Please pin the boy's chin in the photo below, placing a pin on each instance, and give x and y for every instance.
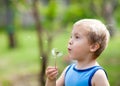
(72, 57)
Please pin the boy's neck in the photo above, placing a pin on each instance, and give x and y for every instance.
(86, 64)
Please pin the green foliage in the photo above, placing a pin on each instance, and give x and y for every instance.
(77, 11)
(117, 17)
(51, 12)
(72, 14)
(55, 15)
(48, 15)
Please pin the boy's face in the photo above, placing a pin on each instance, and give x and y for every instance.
(79, 47)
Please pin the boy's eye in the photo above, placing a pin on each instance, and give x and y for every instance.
(76, 37)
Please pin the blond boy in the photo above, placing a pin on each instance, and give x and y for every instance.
(89, 38)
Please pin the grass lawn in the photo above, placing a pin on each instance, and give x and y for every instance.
(25, 58)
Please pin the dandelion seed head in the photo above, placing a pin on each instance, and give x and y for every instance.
(56, 53)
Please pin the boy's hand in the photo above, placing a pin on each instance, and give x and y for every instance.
(51, 73)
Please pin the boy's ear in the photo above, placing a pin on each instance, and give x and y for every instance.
(94, 47)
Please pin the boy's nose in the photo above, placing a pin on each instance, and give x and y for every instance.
(70, 42)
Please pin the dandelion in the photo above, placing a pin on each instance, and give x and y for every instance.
(56, 54)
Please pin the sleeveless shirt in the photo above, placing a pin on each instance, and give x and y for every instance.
(77, 77)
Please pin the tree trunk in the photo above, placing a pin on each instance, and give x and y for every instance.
(107, 13)
(43, 54)
(9, 23)
(107, 10)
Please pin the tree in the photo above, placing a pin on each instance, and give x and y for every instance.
(44, 51)
(40, 32)
(106, 9)
(9, 23)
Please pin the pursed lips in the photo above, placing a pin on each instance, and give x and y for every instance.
(69, 49)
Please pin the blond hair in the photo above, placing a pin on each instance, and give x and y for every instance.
(97, 33)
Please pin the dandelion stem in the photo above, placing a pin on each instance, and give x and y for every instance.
(55, 61)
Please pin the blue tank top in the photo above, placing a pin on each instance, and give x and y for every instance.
(77, 77)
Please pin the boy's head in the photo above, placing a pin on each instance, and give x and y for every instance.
(97, 33)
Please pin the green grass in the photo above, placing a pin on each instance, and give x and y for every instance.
(25, 58)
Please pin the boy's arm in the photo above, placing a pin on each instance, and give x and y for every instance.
(50, 83)
(61, 79)
(100, 79)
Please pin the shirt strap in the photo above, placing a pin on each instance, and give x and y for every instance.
(68, 69)
(92, 74)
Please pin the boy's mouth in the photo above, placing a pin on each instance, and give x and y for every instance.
(69, 49)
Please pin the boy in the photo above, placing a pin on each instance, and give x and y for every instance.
(88, 39)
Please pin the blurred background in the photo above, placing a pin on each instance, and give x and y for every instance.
(30, 29)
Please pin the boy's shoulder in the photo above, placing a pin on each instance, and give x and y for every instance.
(100, 77)
(100, 73)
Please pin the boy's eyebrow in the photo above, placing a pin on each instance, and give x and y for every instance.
(76, 33)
